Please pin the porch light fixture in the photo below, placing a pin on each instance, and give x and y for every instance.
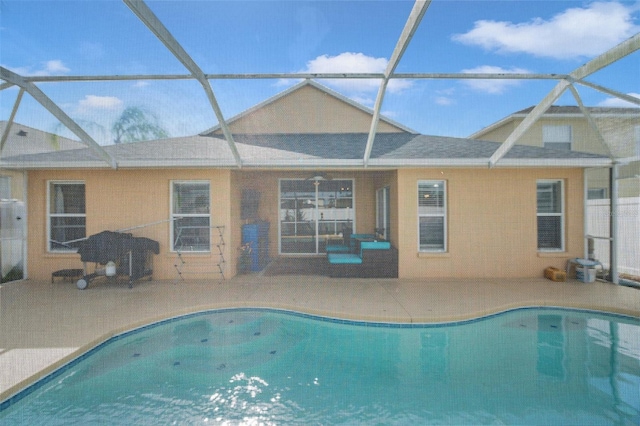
(319, 176)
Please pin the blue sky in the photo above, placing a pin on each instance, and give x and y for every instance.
(104, 37)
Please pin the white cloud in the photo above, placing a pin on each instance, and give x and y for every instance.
(55, 66)
(100, 102)
(349, 62)
(141, 84)
(574, 33)
(444, 100)
(617, 102)
(493, 86)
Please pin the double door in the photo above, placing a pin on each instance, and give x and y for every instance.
(313, 212)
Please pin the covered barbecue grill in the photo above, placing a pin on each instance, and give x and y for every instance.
(120, 253)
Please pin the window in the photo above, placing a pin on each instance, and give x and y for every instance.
(557, 137)
(596, 193)
(190, 214)
(432, 216)
(383, 221)
(67, 215)
(550, 215)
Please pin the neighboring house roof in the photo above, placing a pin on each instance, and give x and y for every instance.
(390, 150)
(22, 139)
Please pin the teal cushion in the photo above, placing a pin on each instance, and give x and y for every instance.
(361, 236)
(375, 245)
(344, 258)
(354, 237)
(337, 249)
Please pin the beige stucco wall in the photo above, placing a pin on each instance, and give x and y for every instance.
(491, 223)
(491, 217)
(121, 199)
(308, 110)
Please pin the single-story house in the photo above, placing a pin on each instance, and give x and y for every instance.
(309, 170)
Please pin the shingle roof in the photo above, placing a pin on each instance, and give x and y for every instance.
(23, 139)
(572, 109)
(328, 145)
(441, 147)
(291, 150)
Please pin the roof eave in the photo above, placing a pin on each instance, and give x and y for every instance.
(49, 165)
(428, 162)
(555, 162)
(484, 162)
(137, 164)
(480, 133)
(304, 163)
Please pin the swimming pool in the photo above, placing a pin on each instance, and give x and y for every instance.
(527, 366)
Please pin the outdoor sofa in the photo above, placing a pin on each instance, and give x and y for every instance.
(369, 258)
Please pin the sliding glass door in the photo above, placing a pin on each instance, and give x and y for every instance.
(313, 212)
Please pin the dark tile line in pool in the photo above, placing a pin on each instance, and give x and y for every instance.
(72, 363)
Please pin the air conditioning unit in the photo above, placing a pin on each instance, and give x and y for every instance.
(12, 220)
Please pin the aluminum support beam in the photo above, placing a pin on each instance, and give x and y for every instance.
(418, 11)
(528, 121)
(54, 109)
(607, 58)
(611, 92)
(145, 14)
(614, 231)
(7, 128)
(591, 121)
(308, 76)
(585, 214)
(623, 49)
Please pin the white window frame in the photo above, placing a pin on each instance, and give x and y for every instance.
(561, 214)
(444, 214)
(176, 216)
(50, 215)
(549, 141)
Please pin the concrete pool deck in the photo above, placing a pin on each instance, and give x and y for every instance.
(44, 325)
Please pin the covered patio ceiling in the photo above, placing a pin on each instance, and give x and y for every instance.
(564, 82)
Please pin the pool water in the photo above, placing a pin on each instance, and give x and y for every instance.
(528, 366)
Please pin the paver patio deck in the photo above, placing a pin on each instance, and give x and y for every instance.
(44, 325)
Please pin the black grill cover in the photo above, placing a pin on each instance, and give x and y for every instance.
(111, 246)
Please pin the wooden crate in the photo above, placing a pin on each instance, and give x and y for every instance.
(555, 274)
